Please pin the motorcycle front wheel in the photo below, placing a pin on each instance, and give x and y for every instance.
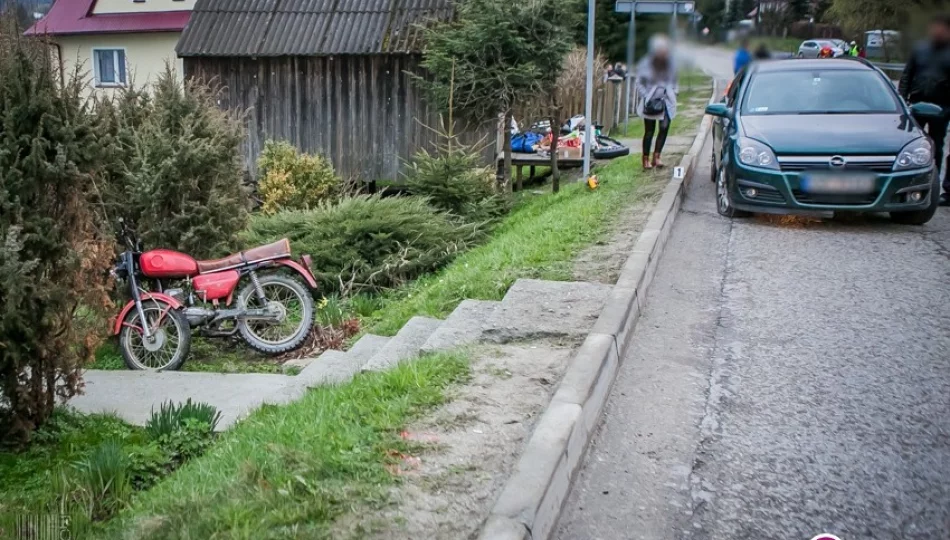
(291, 301)
(167, 347)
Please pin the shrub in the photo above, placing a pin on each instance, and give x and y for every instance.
(291, 180)
(148, 464)
(454, 181)
(177, 171)
(172, 417)
(53, 257)
(368, 242)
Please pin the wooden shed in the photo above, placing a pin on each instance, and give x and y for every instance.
(330, 76)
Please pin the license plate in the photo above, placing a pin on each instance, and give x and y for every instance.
(837, 183)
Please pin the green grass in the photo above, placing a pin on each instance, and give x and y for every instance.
(27, 477)
(539, 239)
(288, 472)
(776, 44)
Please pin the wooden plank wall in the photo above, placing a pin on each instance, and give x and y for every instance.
(364, 112)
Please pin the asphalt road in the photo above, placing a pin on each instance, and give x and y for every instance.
(787, 378)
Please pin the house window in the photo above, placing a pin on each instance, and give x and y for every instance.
(109, 66)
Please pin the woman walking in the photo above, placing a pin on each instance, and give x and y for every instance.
(657, 87)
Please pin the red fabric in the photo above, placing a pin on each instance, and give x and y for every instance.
(574, 142)
(75, 17)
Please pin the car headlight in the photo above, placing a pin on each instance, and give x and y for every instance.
(916, 155)
(755, 154)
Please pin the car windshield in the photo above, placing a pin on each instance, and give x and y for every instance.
(842, 91)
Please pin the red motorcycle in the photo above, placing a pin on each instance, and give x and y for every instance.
(273, 310)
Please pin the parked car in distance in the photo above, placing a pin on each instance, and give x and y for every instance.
(811, 48)
(818, 137)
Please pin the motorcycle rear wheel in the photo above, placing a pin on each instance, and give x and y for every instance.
(166, 349)
(289, 296)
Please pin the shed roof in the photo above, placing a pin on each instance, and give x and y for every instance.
(307, 27)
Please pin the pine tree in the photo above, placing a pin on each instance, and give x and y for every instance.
(797, 10)
(487, 59)
(178, 178)
(53, 256)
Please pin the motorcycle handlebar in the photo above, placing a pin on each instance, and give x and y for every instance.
(131, 240)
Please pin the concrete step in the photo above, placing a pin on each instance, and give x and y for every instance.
(367, 346)
(338, 363)
(404, 345)
(538, 309)
(464, 326)
(331, 367)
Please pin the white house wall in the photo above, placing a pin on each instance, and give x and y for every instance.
(145, 54)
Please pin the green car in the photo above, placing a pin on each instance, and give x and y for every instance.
(818, 137)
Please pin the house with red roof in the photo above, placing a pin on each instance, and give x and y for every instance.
(115, 42)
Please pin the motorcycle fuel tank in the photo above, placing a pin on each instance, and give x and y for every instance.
(217, 285)
(165, 263)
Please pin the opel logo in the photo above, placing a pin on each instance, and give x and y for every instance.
(837, 161)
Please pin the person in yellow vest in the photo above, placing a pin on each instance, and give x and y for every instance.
(854, 49)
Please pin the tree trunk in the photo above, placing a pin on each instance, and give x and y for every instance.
(555, 137)
(506, 148)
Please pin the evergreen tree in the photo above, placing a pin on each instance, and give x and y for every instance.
(491, 56)
(177, 173)
(797, 10)
(53, 257)
(734, 12)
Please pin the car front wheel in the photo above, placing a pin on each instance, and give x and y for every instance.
(919, 217)
(723, 200)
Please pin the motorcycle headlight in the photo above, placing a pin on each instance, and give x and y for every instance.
(755, 154)
(916, 155)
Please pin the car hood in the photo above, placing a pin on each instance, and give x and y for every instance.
(854, 134)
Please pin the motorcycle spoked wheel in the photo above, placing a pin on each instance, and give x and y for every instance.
(166, 349)
(292, 299)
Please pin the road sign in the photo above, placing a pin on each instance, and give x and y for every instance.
(682, 8)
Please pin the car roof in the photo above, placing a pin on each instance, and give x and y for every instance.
(795, 64)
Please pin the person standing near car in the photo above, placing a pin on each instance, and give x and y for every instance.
(656, 84)
(926, 79)
(742, 56)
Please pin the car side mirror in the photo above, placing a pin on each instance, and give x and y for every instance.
(719, 110)
(926, 110)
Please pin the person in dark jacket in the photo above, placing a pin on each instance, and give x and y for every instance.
(926, 78)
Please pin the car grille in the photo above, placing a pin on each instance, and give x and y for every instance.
(768, 196)
(878, 164)
(815, 198)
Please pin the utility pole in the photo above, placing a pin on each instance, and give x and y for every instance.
(589, 94)
(631, 62)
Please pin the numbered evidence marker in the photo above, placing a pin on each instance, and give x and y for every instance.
(679, 173)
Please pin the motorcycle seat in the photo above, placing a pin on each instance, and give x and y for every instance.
(278, 250)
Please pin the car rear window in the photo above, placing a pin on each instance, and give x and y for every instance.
(841, 91)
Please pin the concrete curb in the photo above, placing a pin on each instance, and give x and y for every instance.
(531, 501)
